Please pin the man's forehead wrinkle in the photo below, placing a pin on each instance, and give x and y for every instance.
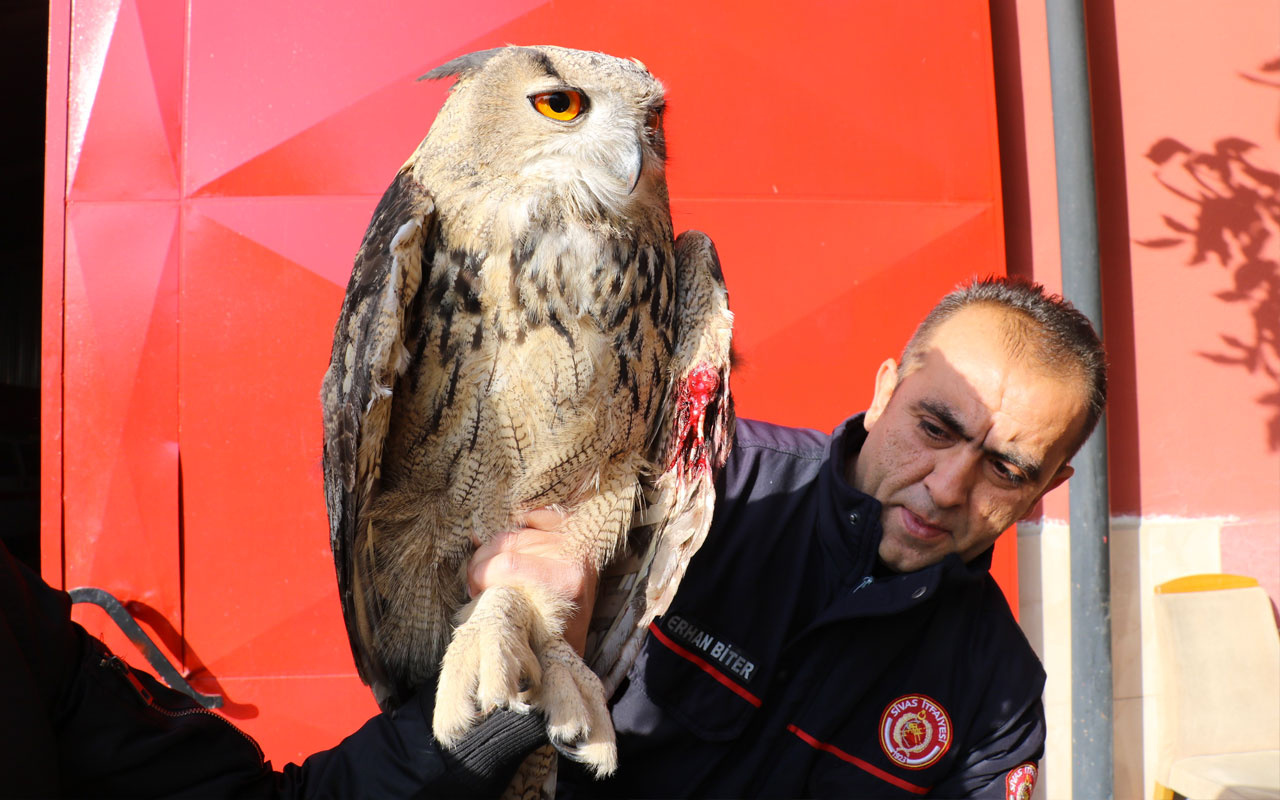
(977, 383)
(1011, 444)
(1007, 451)
(987, 427)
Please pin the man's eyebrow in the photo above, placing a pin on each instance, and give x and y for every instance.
(951, 422)
(1028, 468)
(947, 417)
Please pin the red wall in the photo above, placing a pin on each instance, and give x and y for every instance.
(219, 161)
(1186, 125)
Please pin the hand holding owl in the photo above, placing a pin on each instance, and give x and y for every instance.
(536, 554)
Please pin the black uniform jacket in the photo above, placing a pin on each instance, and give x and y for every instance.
(786, 667)
(76, 721)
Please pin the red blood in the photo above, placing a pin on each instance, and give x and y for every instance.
(702, 383)
(694, 395)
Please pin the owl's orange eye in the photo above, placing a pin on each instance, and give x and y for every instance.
(562, 106)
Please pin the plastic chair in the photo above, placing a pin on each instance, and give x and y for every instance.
(1220, 682)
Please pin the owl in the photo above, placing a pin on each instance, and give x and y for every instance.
(521, 331)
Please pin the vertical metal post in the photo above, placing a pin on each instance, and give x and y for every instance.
(1091, 688)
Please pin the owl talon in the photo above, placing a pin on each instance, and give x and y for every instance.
(449, 724)
(578, 722)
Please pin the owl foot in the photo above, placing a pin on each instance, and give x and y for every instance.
(573, 699)
(491, 664)
(488, 665)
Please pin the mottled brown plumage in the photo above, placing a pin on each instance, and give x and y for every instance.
(521, 331)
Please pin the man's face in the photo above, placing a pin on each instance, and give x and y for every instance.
(965, 444)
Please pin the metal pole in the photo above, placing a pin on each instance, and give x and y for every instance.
(1092, 752)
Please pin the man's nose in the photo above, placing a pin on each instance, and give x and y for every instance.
(952, 477)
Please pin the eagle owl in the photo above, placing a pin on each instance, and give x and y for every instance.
(521, 331)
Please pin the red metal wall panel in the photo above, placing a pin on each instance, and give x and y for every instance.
(120, 314)
(224, 158)
(51, 304)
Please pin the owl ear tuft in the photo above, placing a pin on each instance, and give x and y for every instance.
(462, 65)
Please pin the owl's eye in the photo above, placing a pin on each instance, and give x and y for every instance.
(653, 122)
(562, 106)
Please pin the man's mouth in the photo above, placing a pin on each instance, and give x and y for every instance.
(921, 528)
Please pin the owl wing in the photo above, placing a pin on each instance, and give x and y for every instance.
(693, 436)
(368, 354)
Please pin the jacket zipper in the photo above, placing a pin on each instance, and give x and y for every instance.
(117, 664)
(865, 583)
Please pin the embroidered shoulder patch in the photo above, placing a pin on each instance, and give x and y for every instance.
(1020, 782)
(915, 731)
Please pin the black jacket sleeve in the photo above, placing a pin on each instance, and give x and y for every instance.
(77, 721)
(395, 755)
(37, 657)
(1003, 762)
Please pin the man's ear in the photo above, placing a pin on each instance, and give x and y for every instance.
(886, 382)
(1064, 472)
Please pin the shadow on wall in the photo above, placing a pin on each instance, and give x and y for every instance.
(1238, 222)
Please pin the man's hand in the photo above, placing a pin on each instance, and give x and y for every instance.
(535, 555)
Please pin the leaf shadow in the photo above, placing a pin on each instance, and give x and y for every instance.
(1237, 225)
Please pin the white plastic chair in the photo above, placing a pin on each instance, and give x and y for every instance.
(1220, 684)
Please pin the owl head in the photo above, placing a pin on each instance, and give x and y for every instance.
(583, 129)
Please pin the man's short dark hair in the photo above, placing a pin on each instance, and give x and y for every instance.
(1044, 326)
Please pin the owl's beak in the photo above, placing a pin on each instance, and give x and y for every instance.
(635, 168)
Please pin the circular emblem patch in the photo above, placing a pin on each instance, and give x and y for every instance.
(1020, 782)
(915, 731)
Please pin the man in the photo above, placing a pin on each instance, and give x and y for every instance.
(838, 634)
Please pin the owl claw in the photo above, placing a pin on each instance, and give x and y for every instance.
(452, 719)
(505, 676)
(600, 757)
(578, 722)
